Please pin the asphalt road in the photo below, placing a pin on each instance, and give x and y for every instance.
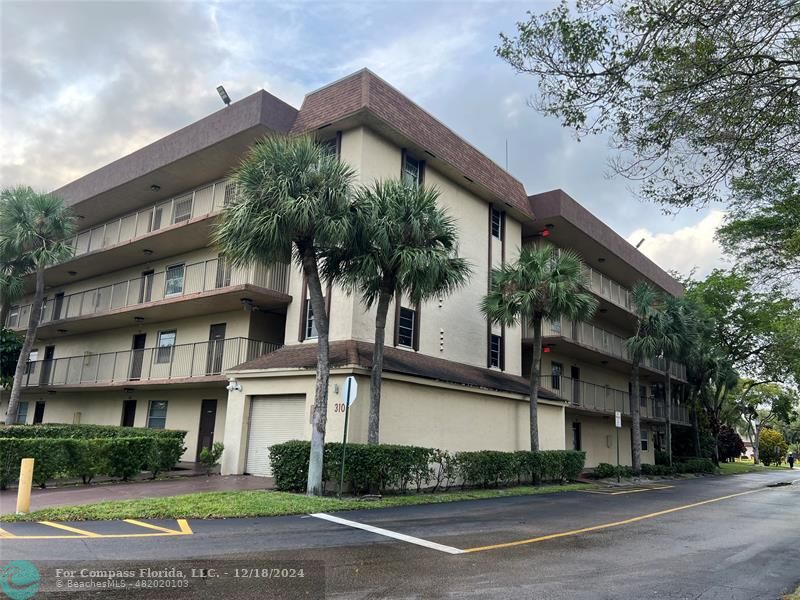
(708, 538)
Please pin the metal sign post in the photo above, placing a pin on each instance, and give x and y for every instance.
(618, 423)
(350, 391)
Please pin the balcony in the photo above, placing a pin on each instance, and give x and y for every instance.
(212, 285)
(199, 363)
(603, 399)
(597, 339)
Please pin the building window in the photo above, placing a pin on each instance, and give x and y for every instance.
(13, 317)
(412, 171)
(406, 327)
(183, 209)
(311, 322)
(643, 396)
(329, 147)
(174, 280)
(644, 440)
(157, 414)
(22, 413)
(556, 371)
(496, 351)
(576, 436)
(166, 341)
(497, 224)
(30, 366)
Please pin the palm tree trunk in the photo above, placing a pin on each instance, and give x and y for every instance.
(373, 433)
(668, 400)
(27, 346)
(636, 428)
(320, 410)
(536, 368)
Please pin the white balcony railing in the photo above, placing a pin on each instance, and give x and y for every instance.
(601, 340)
(176, 281)
(202, 359)
(606, 399)
(607, 288)
(196, 203)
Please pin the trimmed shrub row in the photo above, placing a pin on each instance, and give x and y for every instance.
(121, 457)
(87, 431)
(382, 467)
(687, 465)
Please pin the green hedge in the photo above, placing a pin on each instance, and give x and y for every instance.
(382, 467)
(685, 465)
(74, 457)
(87, 432)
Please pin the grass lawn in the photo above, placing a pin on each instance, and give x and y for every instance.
(795, 596)
(220, 505)
(737, 467)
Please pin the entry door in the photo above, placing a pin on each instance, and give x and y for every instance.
(205, 432)
(128, 413)
(38, 413)
(58, 306)
(575, 374)
(47, 365)
(146, 289)
(137, 355)
(216, 349)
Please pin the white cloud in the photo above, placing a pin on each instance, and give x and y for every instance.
(687, 248)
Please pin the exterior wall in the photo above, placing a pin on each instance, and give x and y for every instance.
(413, 411)
(598, 439)
(105, 408)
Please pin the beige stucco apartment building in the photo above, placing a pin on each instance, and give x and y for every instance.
(146, 325)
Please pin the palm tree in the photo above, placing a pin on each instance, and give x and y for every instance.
(403, 245)
(35, 228)
(677, 337)
(12, 276)
(292, 203)
(543, 283)
(645, 343)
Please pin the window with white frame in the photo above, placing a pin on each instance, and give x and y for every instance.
(407, 326)
(166, 342)
(311, 323)
(13, 316)
(174, 280)
(412, 171)
(22, 413)
(183, 209)
(496, 351)
(644, 440)
(157, 414)
(30, 366)
(497, 224)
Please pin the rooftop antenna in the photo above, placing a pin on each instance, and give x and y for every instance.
(224, 95)
(641, 241)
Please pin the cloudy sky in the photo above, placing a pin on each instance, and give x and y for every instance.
(84, 83)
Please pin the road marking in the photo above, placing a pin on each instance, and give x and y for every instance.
(387, 533)
(652, 515)
(627, 491)
(82, 532)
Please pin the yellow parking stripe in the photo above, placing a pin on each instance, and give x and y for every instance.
(608, 525)
(184, 525)
(82, 532)
(149, 526)
(6, 534)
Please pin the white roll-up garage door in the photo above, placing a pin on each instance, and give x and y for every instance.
(273, 419)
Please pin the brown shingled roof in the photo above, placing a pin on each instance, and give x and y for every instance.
(404, 362)
(366, 92)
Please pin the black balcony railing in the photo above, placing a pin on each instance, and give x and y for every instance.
(202, 359)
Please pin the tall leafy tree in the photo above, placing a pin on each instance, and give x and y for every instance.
(35, 228)
(543, 283)
(404, 245)
(292, 204)
(700, 100)
(646, 342)
(764, 406)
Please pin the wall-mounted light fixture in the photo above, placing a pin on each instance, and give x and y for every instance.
(233, 386)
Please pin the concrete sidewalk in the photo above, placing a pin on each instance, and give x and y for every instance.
(88, 494)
